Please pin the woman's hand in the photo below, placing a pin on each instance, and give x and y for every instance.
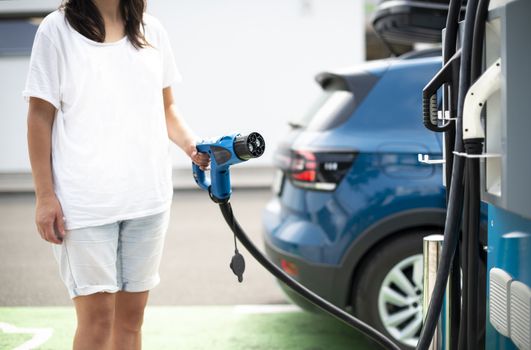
(201, 159)
(49, 219)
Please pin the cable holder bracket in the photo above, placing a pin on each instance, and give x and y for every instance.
(483, 155)
(445, 117)
(425, 159)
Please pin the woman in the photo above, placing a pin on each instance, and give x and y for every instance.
(101, 115)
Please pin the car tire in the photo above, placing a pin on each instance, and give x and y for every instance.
(388, 289)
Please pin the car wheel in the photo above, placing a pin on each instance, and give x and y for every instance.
(388, 292)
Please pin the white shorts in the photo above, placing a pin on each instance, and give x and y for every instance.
(122, 256)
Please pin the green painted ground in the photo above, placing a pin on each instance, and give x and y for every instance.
(194, 328)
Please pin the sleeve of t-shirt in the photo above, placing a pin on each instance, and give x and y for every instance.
(43, 80)
(170, 72)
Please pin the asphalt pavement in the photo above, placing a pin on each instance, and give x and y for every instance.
(198, 305)
(194, 269)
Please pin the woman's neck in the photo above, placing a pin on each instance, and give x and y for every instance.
(112, 19)
(109, 10)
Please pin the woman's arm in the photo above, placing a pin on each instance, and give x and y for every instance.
(48, 213)
(180, 133)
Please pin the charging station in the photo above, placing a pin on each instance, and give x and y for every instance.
(486, 104)
(506, 176)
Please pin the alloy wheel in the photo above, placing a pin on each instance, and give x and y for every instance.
(400, 300)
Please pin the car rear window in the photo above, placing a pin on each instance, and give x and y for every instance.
(331, 109)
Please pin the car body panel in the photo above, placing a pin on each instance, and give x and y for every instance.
(327, 233)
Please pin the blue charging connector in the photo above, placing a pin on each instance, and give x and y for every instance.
(224, 152)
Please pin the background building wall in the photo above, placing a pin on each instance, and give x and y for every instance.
(248, 65)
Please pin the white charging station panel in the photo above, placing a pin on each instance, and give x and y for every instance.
(520, 315)
(500, 282)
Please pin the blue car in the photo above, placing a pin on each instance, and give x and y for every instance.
(352, 202)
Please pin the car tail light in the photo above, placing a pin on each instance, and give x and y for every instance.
(320, 171)
(289, 267)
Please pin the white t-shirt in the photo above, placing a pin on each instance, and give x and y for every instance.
(110, 147)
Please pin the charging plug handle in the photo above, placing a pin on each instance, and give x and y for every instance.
(448, 74)
(475, 100)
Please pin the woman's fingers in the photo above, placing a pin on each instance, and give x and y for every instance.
(47, 229)
(201, 159)
(202, 163)
(60, 225)
(49, 218)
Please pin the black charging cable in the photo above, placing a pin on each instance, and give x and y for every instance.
(455, 205)
(450, 102)
(463, 321)
(471, 278)
(386, 343)
(473, 272)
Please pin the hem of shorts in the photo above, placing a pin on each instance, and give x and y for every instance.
(83, 291)
(135, 287)
(116, 218)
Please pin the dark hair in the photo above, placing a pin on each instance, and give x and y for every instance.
(84, 16)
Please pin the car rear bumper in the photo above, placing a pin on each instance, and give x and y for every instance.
(319, 278)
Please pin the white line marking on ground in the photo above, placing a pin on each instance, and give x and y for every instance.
(40, 335)
(265, 309)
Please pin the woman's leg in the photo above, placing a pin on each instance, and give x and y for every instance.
(128, 318)
(95, 315)
(140, 248)
(87, 261)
